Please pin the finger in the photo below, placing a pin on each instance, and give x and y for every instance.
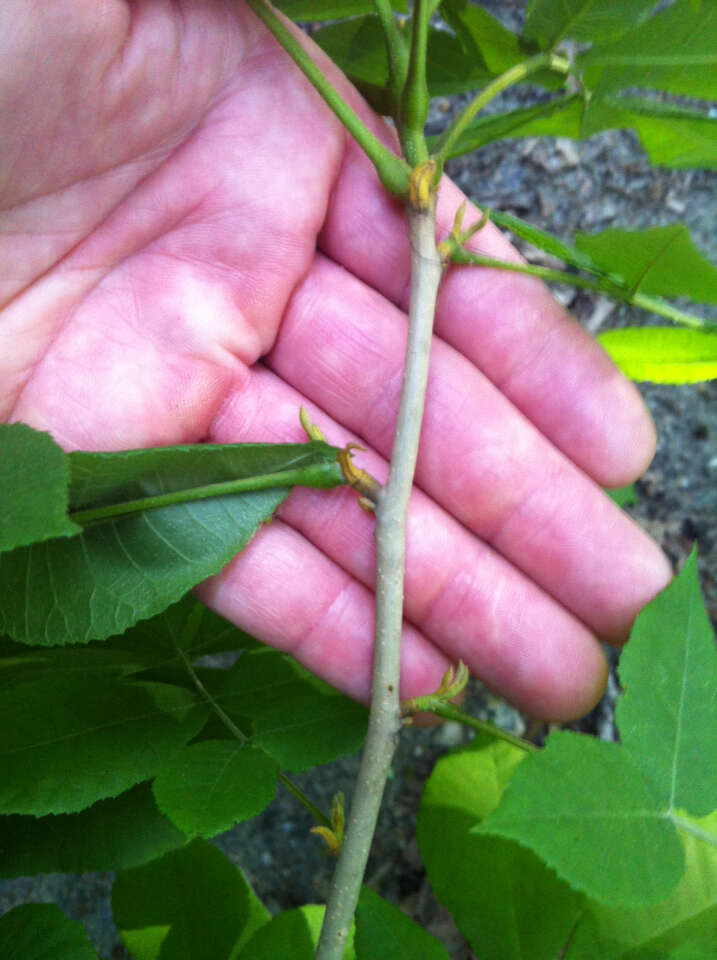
(459, 593)
(287, 593)
(509, 326)
(480, 458)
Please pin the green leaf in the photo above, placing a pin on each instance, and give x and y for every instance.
(659, 260)
(316, 10)
(65, 746)
(191, 904)
(482, 36)
(550, 21)
(34, 479)
(663, 354)
(671, 135)
(558, 118)
(668, 723)
(131, 567)
(110, 835)
(689, 915)
(383, 932)
(358, 47)
(676, 51)
(546, 241)
(292, 934)
(153, 645)
(623, 496)
(209, 786)
(297, 719)
(580, 797)
(41, 931)
(495, 889)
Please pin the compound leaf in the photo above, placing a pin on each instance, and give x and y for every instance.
(297, 719)
(668, 714)
(110, 835)
(550, 21)
(672, 135)
(663, 354)
(545, 241)
(689, 915)
(34, 480)
(358, 46)
(558, 118)
(383, 932)
(580, 798)
(659, 260)
(65, 746)
(675, 51)
(495, 889)
(482, 36)
(191, 904)
(208, 787)
(41, 931)
(129, 567)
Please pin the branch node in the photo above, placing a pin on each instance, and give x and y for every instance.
(421, 189)
(358, 479)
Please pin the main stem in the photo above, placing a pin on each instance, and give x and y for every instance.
(391, 510)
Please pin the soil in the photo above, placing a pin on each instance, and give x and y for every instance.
(561, 186)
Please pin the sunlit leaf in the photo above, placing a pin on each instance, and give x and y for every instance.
(495, 889)
(192, 904)
(668, 714)
(579, 797)
(688, 916)
(663, 354)
(41, 931)
(34, 480)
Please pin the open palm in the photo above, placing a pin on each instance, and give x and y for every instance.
(191, 247)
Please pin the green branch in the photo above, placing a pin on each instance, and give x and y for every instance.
(396, 49)
(392, 170)
(413, 110)
(598, 284)
(268, 481)
(512, 76)
(448, 712)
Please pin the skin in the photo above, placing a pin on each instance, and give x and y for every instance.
(191, 247)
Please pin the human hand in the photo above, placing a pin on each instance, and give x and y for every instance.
(192, 247)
